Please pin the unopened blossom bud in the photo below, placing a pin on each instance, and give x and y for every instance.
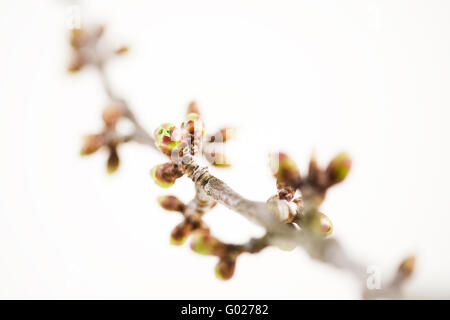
(76, 63)
(92, 143)
(121, 50)
(282, 209)
(194, 124)
(111, 114)
(113, 161)
(406, 268)
(180, 233)
(317, 222)
(204, 243)
(167, 138)
(338, 168)
(171, 203)
(225, 268)
(285, 171)
(165, 174)
(193, 108)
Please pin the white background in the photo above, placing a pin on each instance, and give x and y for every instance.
(369, 77)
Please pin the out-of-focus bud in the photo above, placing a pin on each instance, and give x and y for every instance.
(282, 209)
(217, 159)
(285, 171)
(92, 143)
(204, 243)
(111, 114)
(317, 222)
(76, 38)
(180, 233)
(165, 174)
(406, 268)
(76, 63)
(194, 125)
(167, 138)
(171, 203)
(338, 168)
(223, 135)
(193, 108)
(113, 161)
(122, 50)
(225, 268)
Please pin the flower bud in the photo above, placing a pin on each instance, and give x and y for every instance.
(111, 114)
(165, 174)
(225, 268)
(317, 222)
(180, 233)
(167, 138)
(406, 268)
(285, 171)
(122, 50)
(203, 243)
(171, 203)
(113, 161)
(92, 143)
(285, 211)
(194, 125)
(193, 108)
(338, 168)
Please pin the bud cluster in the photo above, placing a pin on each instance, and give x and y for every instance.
(108, 138)
(85, 48)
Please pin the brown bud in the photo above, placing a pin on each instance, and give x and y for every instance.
(171, 203)
(204, 243)
(165, 174)
(406, 268)
(113, 160)
(92, 143)
(225, 268)
(180, 233)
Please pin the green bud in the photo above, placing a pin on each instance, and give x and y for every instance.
(338, 168)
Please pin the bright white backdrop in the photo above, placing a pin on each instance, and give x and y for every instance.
(369, 77)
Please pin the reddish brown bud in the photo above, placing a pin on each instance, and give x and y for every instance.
(225, 268)
(171, 203)
(165, 174)
(92, 143)
(113, 161)
(338, 168)
(180, 233)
